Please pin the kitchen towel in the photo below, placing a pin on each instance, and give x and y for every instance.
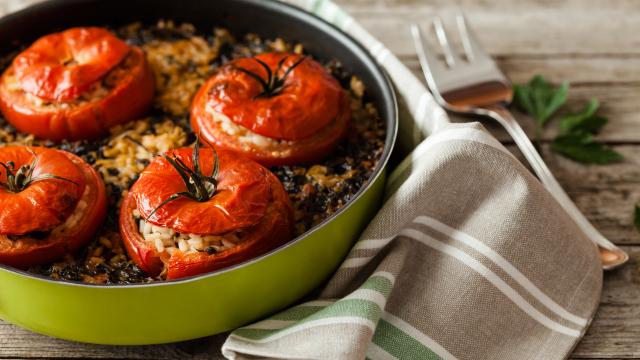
(469, 257)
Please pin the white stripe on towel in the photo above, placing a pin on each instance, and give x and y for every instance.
(348, 320)
(502, 263)
(494, 279)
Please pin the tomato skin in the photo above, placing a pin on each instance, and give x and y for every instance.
(44, 204)
(28, 252)
(274, 227)
(241, 200)
(309, 100)
(274, 230)
(129, 99)
(145, 256)
(307, 150)
(44, 69)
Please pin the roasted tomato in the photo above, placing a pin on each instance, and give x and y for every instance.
(76, 85)
(275, 108)
(52, 202)
(193, 211)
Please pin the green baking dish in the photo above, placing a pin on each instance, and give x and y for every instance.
(208, 304)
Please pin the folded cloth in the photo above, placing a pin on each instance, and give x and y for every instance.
(469, 257)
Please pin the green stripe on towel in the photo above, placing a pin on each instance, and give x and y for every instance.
(297, 313)
(399, 344)
(378, 283)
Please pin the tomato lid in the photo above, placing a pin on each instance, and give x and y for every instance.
(241, 198)
(296, 97)
(61, 66)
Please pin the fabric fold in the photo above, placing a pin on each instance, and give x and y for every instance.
(469, 258)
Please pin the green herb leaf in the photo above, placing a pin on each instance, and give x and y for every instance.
(540, 99)
(636, 217)
(579, 146)
(585, 120)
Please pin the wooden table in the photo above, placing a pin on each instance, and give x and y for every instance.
(592, 44)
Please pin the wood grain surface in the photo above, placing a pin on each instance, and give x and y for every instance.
(590, 43)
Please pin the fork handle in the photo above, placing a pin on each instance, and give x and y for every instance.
(611, 258)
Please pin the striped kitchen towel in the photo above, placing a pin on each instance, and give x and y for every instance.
(469, 257)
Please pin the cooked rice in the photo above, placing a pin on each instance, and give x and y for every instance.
(166, 240)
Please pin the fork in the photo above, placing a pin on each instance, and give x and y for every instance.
(475, 86)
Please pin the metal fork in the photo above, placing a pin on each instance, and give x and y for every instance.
(476, 86)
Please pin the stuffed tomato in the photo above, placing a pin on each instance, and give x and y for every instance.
(196, 210)
(75, 85)
(275, 108)
(52, 202)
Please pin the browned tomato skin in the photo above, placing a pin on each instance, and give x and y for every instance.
(241, 198)
(26, 253)
(131, 98)
(43, 205)
(309, 100)
(275, 228)
(61, 66)
(145, 256)
(309, 150)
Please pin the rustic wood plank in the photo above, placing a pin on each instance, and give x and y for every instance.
(513, 27)
(593, 70)
(19, 343)
(618, 95)
(615, 331)
(606, 194)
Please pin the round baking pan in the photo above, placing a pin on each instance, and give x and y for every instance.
(208, 304)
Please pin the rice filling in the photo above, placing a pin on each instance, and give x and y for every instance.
(166, 240)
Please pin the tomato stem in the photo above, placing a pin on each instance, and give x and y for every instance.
(200, 187)
(20, 179)
(274, 84)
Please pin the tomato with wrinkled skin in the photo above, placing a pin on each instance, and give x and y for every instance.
(304, 121)
(249, 199)
(44, 206)
(49, 89)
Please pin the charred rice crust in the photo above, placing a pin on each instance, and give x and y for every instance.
(182, 59)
